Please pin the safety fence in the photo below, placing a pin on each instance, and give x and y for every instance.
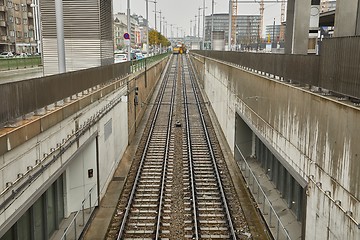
(75, 228)
(140, 64)
(23, 97)
(270, 215)
(335, 69)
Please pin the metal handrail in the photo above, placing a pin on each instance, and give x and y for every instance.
(264, 194)
(73, 221)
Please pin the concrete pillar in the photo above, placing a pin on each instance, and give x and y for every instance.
(297, 26)
(347, 18)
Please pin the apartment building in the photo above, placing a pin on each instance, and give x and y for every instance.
(17, 26)
(247, 27)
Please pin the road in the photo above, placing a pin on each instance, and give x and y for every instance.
(20, 74)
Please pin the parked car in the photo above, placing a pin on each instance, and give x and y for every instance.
(139, 55)
(21, 55)
(6, 55)
(120, 57)
(133, 56)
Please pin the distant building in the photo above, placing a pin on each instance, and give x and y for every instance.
(247, 27)
(141, 30)
(274, 33)
(327, 5)
(17, 27)
(88, 35)
(134, 26)
(120, 28)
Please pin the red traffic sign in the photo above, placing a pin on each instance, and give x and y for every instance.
(126, 36)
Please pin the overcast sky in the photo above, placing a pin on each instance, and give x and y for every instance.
(180, 12)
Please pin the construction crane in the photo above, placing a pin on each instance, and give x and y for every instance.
(261, 19)
(282, 11)
(233, 21)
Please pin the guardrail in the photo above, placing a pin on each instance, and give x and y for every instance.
(75, 228)
(18, 63)
(277, 228)
(137, 65)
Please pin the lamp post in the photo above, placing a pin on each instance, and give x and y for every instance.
(147, 27)
(129, 29)
(156, 20)
(203, 24)
(163, 21)
(195, 26)
(190, 27)
(212, 23)
(155, 2)
(160, 21)
(199, 22)
(230, 16)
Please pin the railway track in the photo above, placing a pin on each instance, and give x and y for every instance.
(178, 186)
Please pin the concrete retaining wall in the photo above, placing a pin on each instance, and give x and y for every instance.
(316, 137)
(89, 132)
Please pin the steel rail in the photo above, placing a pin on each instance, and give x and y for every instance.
(191, 164)
(152, 126)
(166, 155)
(218, 178)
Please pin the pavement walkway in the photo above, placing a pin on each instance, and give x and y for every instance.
(14, 75)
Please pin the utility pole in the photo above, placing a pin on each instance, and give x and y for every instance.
(147, 27)
(155, 2)
(190, 27)
(199, 22)
(163, 25)
(129, 29)
(160, 21)
(203, 24)
(230, 23)
(273, 35)
(212, 23)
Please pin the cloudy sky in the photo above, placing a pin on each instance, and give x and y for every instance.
(180, 12)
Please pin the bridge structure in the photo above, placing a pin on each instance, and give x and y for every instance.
(289, 120)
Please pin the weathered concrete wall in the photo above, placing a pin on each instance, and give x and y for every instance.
(108, 121)
(63, 131)
(315, 135)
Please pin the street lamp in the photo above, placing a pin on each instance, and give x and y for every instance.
(129, 29)
(190, 27)
(230, 18)
(147, 28)
(212, 24)
(195, 26)
(155, 11)
(203, 24)
(156, 19)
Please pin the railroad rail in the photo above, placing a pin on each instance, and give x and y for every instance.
(178, 186)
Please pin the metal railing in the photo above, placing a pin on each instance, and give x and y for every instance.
(270, 215)
(336, 68)
(137, 65)
(75, 228)
(18, 63)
